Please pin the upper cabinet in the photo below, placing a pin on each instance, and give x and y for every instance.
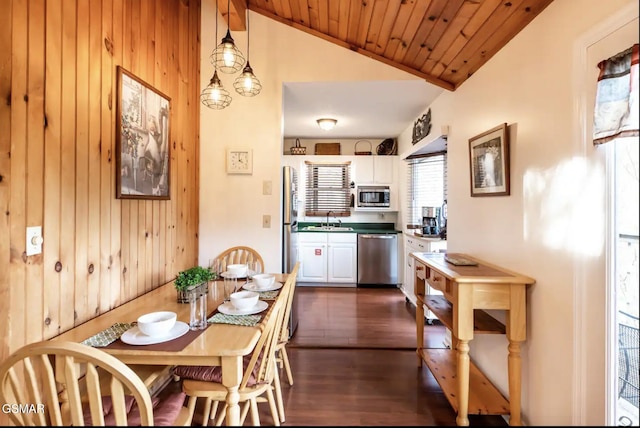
(371, 168)
(374, 169)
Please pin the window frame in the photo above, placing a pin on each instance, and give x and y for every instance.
(338, 201)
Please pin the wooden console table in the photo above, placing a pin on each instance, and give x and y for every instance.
(467, 292)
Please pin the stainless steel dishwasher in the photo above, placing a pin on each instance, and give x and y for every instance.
(378, 259)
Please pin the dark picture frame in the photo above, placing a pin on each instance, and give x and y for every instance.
(421, 127)
(142, 139)
(489, 162)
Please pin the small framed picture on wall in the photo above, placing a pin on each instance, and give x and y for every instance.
(489, 162)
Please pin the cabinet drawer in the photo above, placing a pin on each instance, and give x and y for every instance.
(439, 282)
(312, 237)
(420, 270)
(350, 238)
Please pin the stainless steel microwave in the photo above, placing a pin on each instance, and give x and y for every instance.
(371, 196)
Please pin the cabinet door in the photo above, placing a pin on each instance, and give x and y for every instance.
(342, 263)
(363, 169)
(408, 276)
(313, 262)
(383, 169)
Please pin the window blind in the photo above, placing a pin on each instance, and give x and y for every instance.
(328, 189)
(426, 184)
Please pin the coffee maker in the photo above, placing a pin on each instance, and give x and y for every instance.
(430, 221)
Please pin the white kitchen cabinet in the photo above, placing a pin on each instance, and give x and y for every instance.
(312, 253)
(342, 263)
(328, 257)
(414, 244)
(374, 169)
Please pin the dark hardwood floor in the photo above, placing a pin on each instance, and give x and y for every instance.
(354, 364)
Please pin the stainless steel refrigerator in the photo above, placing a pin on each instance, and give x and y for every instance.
(290, 232)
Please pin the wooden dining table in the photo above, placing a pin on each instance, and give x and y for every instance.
(218, 345)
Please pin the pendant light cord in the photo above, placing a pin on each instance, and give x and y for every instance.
(248, 29)
(216, 39)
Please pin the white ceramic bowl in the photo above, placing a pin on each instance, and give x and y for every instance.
(157, 323)
(239, 271)
(244, 299)
(264, 280)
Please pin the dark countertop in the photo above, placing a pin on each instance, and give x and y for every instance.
(371, 228)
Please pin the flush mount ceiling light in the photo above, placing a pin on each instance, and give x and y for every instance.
(227, 57)
(326, 123)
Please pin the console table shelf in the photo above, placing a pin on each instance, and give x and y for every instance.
(484, 397)
(468, 292)
(483, 323)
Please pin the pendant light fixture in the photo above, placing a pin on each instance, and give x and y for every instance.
(215, 96)
(247, 84)
(227, 57)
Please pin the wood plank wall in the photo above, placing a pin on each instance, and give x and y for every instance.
(58, 61)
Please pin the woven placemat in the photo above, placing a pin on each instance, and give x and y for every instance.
(108, 336)
(268, 295)
(244, 320)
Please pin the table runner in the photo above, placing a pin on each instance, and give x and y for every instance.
(179, 343)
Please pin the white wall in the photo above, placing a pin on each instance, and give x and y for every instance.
(551, 227)
(232, 206)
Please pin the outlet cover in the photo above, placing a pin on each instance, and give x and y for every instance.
(266, 221)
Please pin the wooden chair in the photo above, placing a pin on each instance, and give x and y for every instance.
(239, 255)
(68, 383)
(257, 380)
(282, 359)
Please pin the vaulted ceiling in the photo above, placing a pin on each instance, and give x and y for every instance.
(441, 41)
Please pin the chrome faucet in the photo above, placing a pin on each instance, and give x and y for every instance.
(328, 214)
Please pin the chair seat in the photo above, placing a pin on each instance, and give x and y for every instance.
(214, 373)
(166, 410)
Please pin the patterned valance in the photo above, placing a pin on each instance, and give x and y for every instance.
(616, 110)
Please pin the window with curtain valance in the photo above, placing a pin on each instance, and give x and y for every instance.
(616, 110)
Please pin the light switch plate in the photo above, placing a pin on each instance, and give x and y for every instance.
(266, 187)
(266, 221)
(34, 240)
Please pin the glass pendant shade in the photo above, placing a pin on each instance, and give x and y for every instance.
(247, 84)
(215, 96)
(227, 57)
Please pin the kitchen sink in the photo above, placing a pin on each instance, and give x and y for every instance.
(329, 228)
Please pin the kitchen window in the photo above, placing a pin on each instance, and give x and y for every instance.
(328, 188)
(427, 184)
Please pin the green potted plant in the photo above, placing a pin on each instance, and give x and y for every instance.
(194, 279)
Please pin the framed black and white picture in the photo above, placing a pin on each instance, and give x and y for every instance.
(489, 162)
(142, 139)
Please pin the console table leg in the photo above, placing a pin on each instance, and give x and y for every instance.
(463, 383)
(515, 375)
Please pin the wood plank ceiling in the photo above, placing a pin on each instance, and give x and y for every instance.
(441, 41)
